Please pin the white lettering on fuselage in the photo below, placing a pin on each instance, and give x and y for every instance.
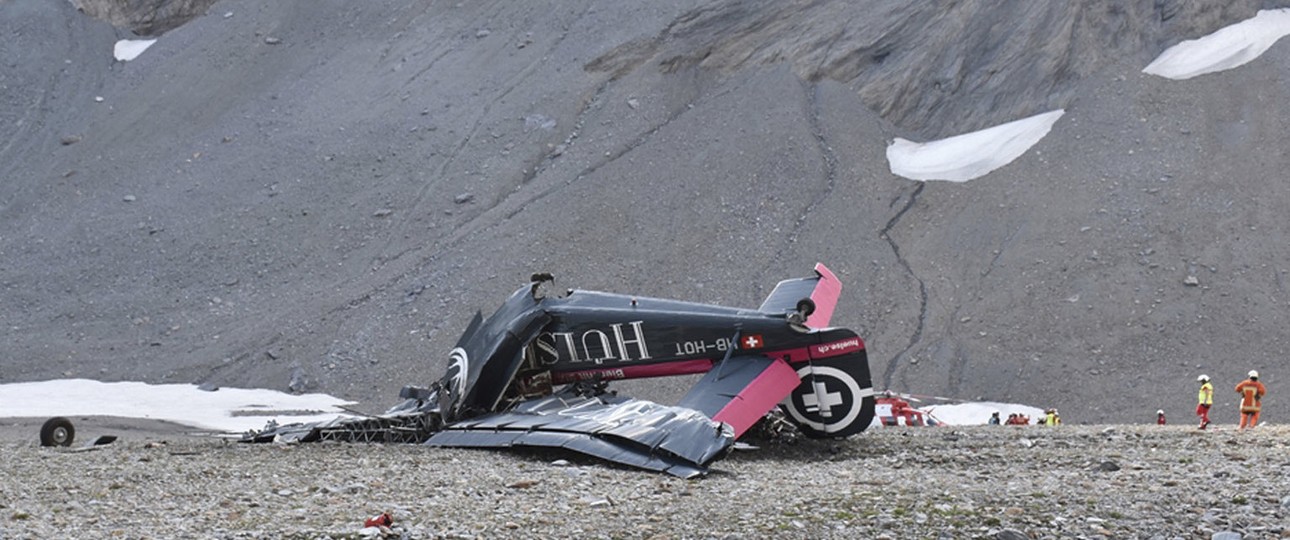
(601, 374)
(846, 344)
(596, 346)
(692, 348)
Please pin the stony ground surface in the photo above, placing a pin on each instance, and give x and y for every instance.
(976, 482)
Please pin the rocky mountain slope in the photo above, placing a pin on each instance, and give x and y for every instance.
(317, 196)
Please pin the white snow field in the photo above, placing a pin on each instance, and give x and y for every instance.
(128, 49)
(1225, 49)
(972, 155)
(233, 410)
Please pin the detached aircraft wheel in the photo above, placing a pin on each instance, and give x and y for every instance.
(57, 431)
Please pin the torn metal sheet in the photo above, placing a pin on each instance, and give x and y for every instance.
(500, 389)
(644, 434)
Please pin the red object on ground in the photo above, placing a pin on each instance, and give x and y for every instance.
(382, 520)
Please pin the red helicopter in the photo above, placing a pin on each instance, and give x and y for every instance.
(891, 410)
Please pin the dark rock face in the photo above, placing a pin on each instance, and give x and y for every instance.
(932, 69)
(318, 196)
(144, 17)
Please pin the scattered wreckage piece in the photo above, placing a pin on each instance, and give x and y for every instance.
(499, 389)
(59, 432)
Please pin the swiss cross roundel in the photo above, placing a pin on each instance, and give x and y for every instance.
(827, 403)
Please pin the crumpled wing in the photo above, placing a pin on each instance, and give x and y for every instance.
(741, 390)
(675, 440)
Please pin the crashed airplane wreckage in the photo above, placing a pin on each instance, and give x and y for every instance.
(500, 387)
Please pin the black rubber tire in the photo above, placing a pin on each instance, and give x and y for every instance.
(57, 431)
(806, 307)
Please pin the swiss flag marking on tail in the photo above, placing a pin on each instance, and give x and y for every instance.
(752, 341)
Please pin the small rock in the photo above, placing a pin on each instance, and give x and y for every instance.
(98, 99)
(384, 212)
(539, 121)
(482, 33)
(228, 14)
(272, 40)
(1011, 534)
(464, 198)
(208, 387)
(351, 488)
(522, 484)
(596, 502)
(299, 382)
(560, 463)
(1226, 535)
(1108, 466)
(1191, 281)
(633, 103)
(129, 198)
(70, 139)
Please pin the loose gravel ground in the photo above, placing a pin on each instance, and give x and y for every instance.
(969, 482)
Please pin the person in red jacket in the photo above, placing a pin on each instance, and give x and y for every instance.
(1252, 392)
(1160, 417)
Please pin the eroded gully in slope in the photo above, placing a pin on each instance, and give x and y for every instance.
(885, 233)
(811, 93)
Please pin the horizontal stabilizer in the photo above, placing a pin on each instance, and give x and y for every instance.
(823, 289)
(741, 390)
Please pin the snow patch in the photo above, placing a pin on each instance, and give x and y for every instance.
(970, 414)
(1227, 48)
(228, 409)
(129, 49)
(963, 157)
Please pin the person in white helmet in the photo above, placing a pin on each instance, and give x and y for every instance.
(1252, 392)
(1206, 399)
(1160, 417)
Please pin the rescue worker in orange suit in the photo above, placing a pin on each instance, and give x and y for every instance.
(1252, 392)
(1205, 399)
(1160, 417)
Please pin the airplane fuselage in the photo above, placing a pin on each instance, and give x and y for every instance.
(608, 336)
